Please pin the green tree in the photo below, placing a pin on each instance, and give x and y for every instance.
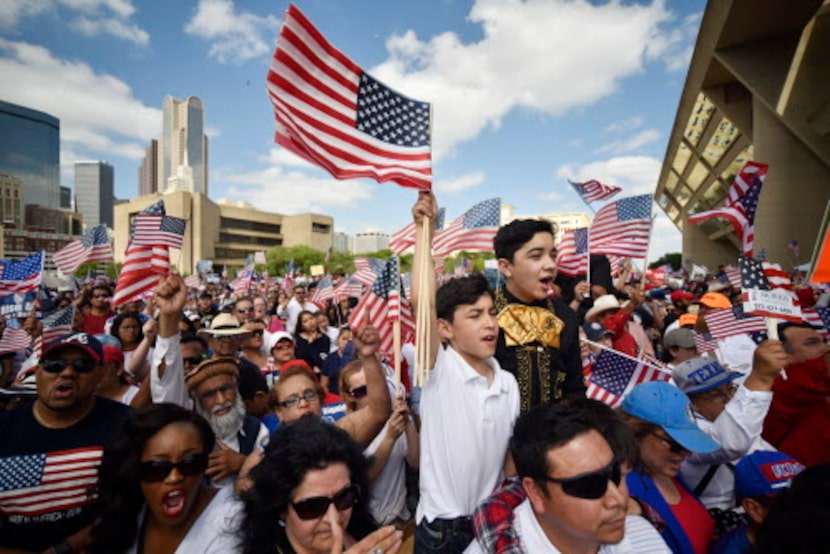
(675, 259)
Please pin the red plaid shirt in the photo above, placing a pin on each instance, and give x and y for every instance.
(493, 520)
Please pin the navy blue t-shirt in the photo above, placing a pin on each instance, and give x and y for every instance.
(48, 476)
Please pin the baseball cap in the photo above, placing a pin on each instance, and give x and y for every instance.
(84, 341)
(715, 300)
(682, 337)
(113, 354)
(665, 405)
(595, 330)
(764, 472)
(274, 338)
(687, 319)
(681, 295)
(701, 375)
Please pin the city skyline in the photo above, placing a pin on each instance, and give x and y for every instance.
(592, 95)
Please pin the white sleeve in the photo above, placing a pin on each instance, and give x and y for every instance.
(262, 437)
(171, 387)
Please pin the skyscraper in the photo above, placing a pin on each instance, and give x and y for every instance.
(183, 147)
(148, 172)
(30, 151)
(94, 184)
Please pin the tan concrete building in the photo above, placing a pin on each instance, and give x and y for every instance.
(224, 232)
(564, 221)
(758, 89)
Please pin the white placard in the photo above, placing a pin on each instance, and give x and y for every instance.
(772, 303)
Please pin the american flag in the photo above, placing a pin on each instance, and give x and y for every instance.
(21, 277)
(153, 229)
(36, 484)
(622, 227)
(323, 291)
(733, 275)
(244, 278)
(733, 321)
(614, 375)
(705, 342)
(572, 254)
(332, 113)
(405, 238)
(819, 317)
(348, 288)
(14, 339)
(143, 263)
(192, 281)
(763, 275)
(593, 190)
(741, 204)
(367, 270)
(383, 302)
(474, 230)
(93, 246)
(55, 326)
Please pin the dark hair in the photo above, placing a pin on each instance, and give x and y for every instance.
(191, 326)
(546, 427)
(243, 299)
(292, 452)
(119, 320)
(187, 337)
(459, 292)
(119, 482)
(299, 326)
(796, 521)
(789, 325)
(101, 286)
(250, 381)
(517, 233)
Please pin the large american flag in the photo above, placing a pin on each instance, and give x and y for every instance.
(405, 238)
(763, 275)
(36, 484)
(572, 254)
(332, 113)
(93, 246)
(622, 227)
(143, 264)
(159, 229)
(741, 204)
(473, 230)
(593, 190)
(21, 277)
(14, 339)
(614, 375)
(383, 304)
(733, 321)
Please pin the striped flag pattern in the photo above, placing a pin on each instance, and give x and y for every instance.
(741, 204)
(154, 229)
(143, 264)
(572, 254)
(818, 317)
(93, 246)
(473, 230)
(405, 238)
(14, 339)
(705, 342)
(614, 375)
(22, 276)
(36, 484)
(622, 227)
(727, 323)
(333, 114)
(593, 190)
(55, 326)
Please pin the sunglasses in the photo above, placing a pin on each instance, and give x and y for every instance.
(194, 360)
(154, 471)
(283, 345)
(100, 296)
(589, 485)
(256, 332)
(359, 392)
(673, 445)
(243, 310)
(294, 399)
(317, 506)
(56, 366)
(223, 390)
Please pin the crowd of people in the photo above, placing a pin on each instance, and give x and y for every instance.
(202, 419)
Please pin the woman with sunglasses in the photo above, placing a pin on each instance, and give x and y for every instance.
(253, 342)
(152, 493)
(660, 417)
(309, 494)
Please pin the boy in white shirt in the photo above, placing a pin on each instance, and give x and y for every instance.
(468, 406)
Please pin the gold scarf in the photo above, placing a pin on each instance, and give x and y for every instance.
(523, 324)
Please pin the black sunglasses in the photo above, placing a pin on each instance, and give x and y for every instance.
(673, 445)
(154, 471)
(315, 507)
(194, 360)
(56, 366)
(589, 485)
(359, 392)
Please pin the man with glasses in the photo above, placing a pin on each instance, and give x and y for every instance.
(243, 310)
(731, 414)
(570, 494)
(42, 505)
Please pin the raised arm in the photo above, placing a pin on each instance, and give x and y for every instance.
(167, 367)
(423, 268)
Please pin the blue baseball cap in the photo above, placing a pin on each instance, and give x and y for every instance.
(701, 374)
(764, 472)
(665, 405)
(83, 341)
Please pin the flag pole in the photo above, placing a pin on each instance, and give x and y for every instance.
(588, 264)
(632, 358)
(422, 346)
(648, 247)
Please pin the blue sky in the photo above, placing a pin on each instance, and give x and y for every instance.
(525, 93)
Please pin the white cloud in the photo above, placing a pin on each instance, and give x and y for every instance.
(281, 156)
(636, 175)
(474, 85)
(630, 144)
(235, 36)
(98, 112)
(625, 125)
(551, 197)
(459, 184)
(13, 11)
(111, 26)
